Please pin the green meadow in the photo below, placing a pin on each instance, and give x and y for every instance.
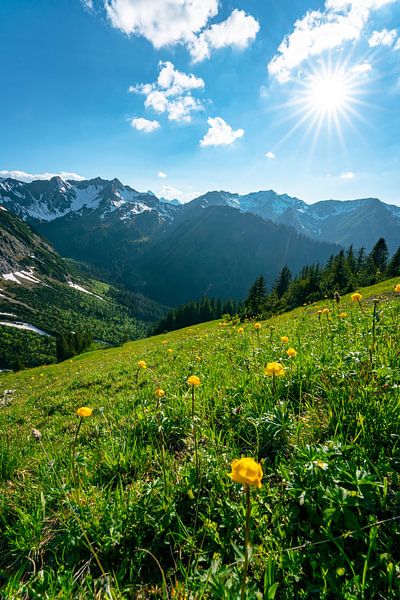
(135, 500)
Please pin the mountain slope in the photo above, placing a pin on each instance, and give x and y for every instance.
(42, 296)
(344, 222)
(151, 245)
(21, 248)
(133, 479)
(219, 251)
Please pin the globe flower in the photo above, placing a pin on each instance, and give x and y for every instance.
(257, 326)
(142, 364)
(342, 315)
(84, 411)
(274, 369)
(397, 288)
(193, 380)
(240, 330)
(284, 339)
(357, 297)
(169, 350)
(246, 471)
(325, 311)
(291, 352)
(159, 393)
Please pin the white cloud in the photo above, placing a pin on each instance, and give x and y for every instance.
(220, 133)
(270, 155)
(348, 175)
(362, 68)
(169, 22)
(180, 109)
(382, 38)
(176, 82)
(144, 125)
(171, 193)
(238, 30)
(397, 46)
(164, 22)
(161, 174)
(28, 177)
(171, 93)
(339, 22)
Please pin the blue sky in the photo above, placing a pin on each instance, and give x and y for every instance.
(182, 97)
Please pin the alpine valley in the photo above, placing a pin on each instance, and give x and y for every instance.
(215, 245)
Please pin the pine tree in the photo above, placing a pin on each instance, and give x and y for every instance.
(254, 304)
(282, 283)
(393, 268)
(379, 256)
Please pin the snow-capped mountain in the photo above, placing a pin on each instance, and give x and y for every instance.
(358, 222)
(154, 246)
(345, 222)
(46, 200)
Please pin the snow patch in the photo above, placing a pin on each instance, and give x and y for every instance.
(81, 289)
(11, 277)
(25, 326)
(28, 275)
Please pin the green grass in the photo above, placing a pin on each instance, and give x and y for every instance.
(129, 517)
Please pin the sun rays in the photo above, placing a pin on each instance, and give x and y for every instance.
(325, 100)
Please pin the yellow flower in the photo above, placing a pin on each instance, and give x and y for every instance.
(397, 288)
(198, 358)
(164, 342)
(257, 325)
(325, 311)
(342, 315)
(159, 393)
(84, 411)
(193, 380)
(356, 297)
(240, 330)
(284, 339)
(142, 364)
(169, 350)
(246, 471)
(319, 312)
(320, 464)
(291, 352)
(274, 369)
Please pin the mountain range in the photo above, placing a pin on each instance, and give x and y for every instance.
(216, 244)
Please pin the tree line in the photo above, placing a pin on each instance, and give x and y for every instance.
(343, 273)
(191, 313)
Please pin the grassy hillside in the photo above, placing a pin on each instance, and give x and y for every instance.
(135, 501)
(107, 313)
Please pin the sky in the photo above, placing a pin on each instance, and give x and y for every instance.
(185, 96)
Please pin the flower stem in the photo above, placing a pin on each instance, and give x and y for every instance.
(74, 473)
(162, 444)
(196, 454)
(246, 543)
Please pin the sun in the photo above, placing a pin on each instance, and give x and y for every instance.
(326, 96)
(329, 93)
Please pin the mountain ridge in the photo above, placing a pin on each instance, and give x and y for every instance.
(326, 220)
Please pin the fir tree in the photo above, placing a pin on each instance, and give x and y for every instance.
(393, 268)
